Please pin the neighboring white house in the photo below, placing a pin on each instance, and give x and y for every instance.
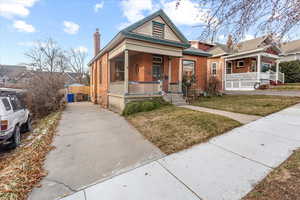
(290, 51)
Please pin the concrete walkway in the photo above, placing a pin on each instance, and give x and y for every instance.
(227, 167)
(92, 144)
(242, 118)
(288, 93)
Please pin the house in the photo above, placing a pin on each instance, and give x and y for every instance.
(145, 60)
(12, 75)
(290, 50)
(246, 65)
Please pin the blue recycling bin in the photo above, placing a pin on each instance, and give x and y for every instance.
(70, 98)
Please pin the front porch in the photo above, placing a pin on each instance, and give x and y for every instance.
(249, 72)
(138, 75)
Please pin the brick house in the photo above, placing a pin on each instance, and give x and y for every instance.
(145, 60)
(246, 65)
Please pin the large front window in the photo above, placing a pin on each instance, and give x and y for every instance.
(188, 68)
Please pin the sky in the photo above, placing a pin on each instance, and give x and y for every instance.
(72, 23)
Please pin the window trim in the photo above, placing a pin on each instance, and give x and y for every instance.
(211, 68)
(238, 62)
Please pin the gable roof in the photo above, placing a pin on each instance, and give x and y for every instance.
(128, 33)
(291, 47)
(256, 44)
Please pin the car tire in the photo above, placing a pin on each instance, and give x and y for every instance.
(16, 138)
(27, 127)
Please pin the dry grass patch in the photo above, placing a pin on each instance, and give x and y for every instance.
(248, 104)
(173, 129)
(282, 183)
(287, 86)
(22, 169)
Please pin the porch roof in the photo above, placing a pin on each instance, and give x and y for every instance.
(196, 52)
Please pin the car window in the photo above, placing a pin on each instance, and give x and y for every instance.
(6, 104)
(16, 104)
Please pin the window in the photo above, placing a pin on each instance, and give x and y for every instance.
(265, 67)
(120, 70)
(158, 30)
(253, 67)
(240, 64)
(188, 68)
(16, 104)
(157, 62)
(213, 69)
(6, 104)
(229, 68)
(100, 73)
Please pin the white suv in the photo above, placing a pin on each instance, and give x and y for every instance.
(14, 119)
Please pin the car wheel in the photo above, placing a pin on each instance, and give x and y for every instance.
(16, 138)
(27, 127)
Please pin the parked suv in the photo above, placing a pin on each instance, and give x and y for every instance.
(14, 119)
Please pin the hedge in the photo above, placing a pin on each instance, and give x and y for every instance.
(143, 106)
(291, 71)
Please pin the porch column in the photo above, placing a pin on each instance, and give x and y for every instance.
(170, 70)
(126, 64)
(258, 66)
(225, 74)
(277, 70)
(180, 76)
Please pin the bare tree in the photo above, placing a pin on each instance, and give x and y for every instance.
(46, 56)
(77, 63)
(237, 17)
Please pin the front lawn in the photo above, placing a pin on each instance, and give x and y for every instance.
(248, 104)
(173, 129)
(287, 86)
(281, 183)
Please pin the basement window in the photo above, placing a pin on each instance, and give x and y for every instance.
(158, 30)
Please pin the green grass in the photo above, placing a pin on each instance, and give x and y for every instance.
(173, 129)
(261, 105)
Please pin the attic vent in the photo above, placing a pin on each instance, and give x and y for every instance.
(158, 29)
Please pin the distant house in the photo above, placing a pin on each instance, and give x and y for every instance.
(12, 75)
(290, 50)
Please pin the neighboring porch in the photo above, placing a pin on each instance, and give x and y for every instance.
(138, 75)
(251, 71)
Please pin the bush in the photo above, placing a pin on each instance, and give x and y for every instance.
(291, 71)
(143, 106)
(213, 86)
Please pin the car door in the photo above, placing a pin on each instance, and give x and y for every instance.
(19, 112)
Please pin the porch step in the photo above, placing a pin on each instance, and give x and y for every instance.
(175, 99)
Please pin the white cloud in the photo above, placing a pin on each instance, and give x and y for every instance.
(187, 13)
(81, 49)
(12, 8)
(133, 9)
(22, 26)
(71, 27)
(98, 6)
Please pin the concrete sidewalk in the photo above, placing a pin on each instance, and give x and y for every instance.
(242, 118)
(226, 167)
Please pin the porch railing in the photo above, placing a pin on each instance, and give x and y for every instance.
(173, 87)
(145, 88)
(281, 77)
(117, 88)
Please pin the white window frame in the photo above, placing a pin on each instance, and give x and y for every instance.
(238, 64)
(230, 67)
(212, 70)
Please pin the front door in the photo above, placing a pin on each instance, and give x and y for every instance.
(158, 70)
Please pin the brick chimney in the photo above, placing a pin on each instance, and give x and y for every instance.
(96, 42)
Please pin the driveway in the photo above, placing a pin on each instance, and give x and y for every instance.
(92, 144)
(288, 93)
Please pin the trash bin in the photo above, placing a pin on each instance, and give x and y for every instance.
(70, 98)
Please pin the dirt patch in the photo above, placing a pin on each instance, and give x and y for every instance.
(22, 169)
(173, 129)
(283, 183)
